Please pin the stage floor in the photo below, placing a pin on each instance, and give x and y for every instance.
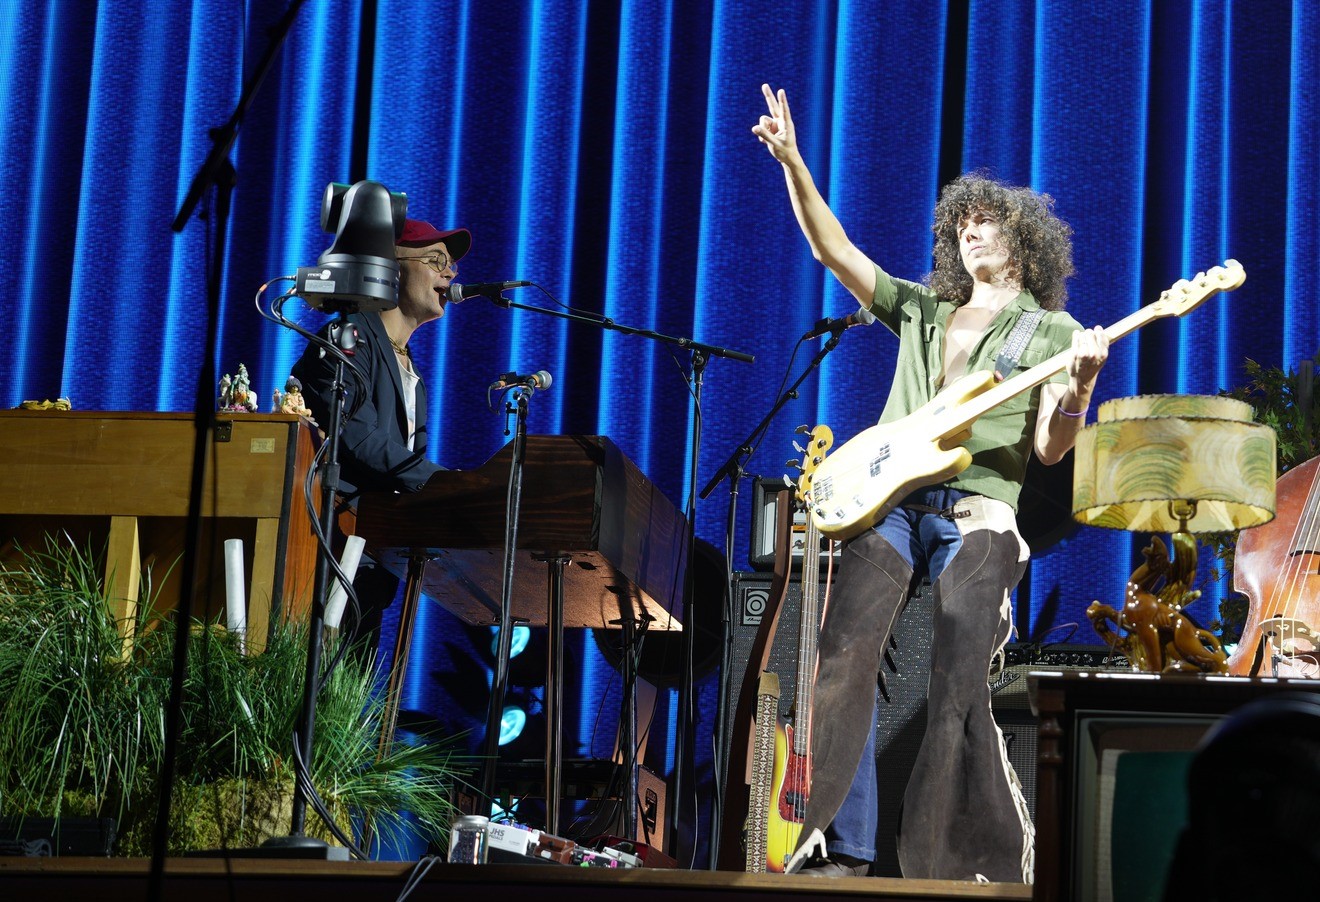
(257, 880)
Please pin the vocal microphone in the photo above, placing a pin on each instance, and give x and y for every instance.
(490, 290)
(859, 317)
(539, 379)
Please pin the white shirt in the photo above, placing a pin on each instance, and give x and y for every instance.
(410, 379)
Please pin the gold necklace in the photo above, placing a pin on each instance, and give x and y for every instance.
(401, 348)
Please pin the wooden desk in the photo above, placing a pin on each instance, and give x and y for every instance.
(121, 480)
(1078, 710)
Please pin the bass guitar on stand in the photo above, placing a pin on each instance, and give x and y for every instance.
(791, 783)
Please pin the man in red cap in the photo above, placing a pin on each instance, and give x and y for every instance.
(383, 444)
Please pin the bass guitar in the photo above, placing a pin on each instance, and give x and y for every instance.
(876, 469)
(791, 784)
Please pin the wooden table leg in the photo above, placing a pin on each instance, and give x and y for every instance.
(412, 592)
(262, 591)
(123, 577)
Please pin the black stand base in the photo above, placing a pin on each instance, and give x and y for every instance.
(302, 847)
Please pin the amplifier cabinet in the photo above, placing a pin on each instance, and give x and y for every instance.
(767, 494)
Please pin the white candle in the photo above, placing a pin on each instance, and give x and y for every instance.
(235, 590)
(334, 607)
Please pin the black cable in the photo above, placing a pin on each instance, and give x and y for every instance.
(419, 871)
(304, 777)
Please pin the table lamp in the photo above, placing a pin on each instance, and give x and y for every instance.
(1178, 463)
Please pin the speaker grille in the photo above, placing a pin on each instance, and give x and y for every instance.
(752, 602)
(901, 722)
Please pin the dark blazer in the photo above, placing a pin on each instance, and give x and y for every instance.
(373, 450)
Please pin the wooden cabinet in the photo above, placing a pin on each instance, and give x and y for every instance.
(121, 482)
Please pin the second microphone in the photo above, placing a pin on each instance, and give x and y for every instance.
(537, 380)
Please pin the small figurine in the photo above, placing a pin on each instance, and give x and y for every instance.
(244, 398)
(226, 399)
(291, 401)
(236, 395)
(1160, 635)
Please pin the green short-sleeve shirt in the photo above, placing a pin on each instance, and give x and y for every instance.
(1002, 438)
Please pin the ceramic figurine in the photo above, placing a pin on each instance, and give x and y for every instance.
(291, 401)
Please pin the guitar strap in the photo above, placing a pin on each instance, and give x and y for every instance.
(1023, 329)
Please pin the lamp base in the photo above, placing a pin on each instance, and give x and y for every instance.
(1153, 629)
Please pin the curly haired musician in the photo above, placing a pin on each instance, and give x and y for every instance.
(1000, 254)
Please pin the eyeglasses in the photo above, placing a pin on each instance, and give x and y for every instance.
(438, 262)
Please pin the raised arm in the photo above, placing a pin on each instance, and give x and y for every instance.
(829, 243)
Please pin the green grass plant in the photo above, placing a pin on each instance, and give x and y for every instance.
(82, 726)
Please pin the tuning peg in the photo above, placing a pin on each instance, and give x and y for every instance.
(793, 464)
(789, 483)
(804, 429)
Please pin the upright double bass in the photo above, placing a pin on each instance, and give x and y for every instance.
(1277, 566)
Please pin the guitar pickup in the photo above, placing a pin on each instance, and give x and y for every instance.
(823, 490)
(877, 462)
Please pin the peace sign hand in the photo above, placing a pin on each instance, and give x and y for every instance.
(775, 131)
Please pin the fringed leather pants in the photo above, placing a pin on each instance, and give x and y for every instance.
(963, 810)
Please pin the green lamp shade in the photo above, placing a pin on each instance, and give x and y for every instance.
(1146, 456)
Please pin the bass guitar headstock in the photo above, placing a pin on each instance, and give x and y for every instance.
(819, 441)
(1186, 295)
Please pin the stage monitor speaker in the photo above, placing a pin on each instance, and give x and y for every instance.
(751, 592)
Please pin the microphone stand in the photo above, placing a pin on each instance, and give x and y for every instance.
(216, 170)
(297, 844)
(504, 645)
(701, 353)
(607, 323)
(733, 468)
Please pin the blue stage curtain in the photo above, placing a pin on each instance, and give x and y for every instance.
(603, 151)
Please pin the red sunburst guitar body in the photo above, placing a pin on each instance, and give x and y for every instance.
(791, 783)
(789, 791)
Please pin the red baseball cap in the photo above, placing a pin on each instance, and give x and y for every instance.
(417, 233)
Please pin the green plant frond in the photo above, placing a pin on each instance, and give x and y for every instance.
(83, 729)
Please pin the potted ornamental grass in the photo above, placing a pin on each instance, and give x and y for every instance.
(82, 724)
